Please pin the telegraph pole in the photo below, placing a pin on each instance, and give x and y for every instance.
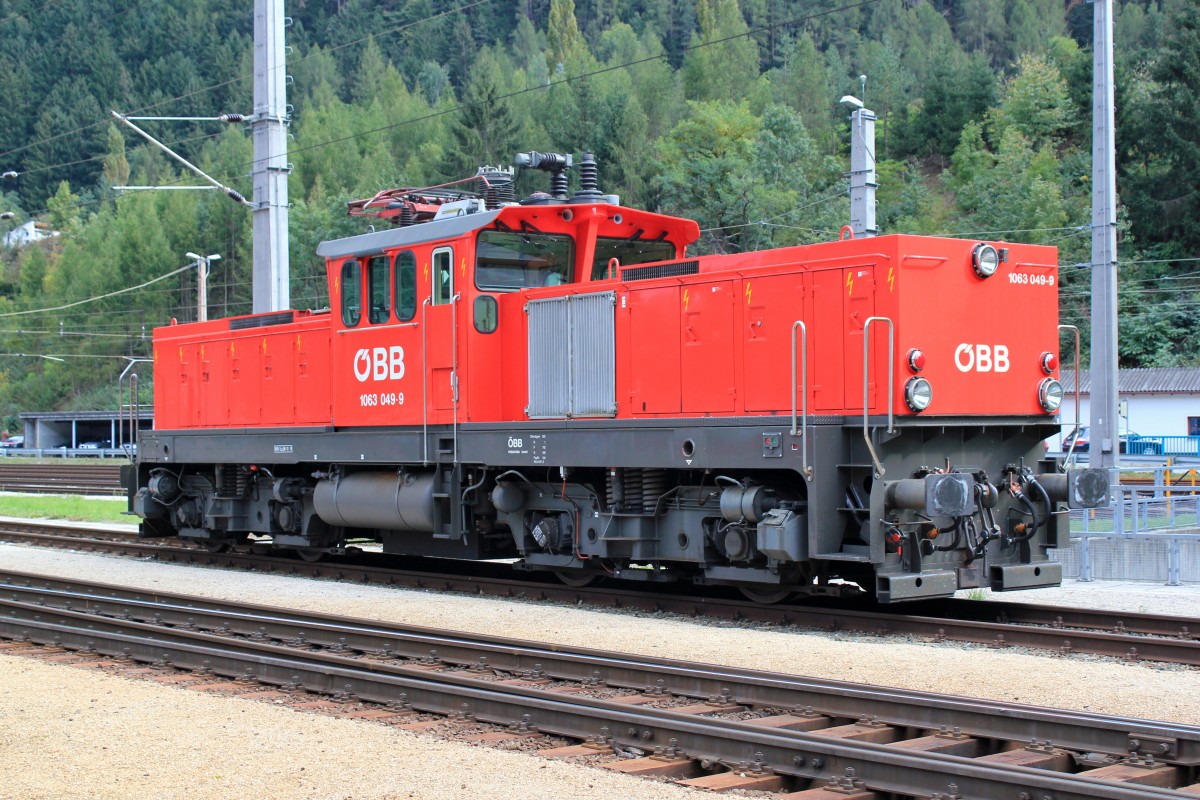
(1103, 370)
(270, 173)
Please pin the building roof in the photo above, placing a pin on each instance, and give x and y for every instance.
(1154, 380)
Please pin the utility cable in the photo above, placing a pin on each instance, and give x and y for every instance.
(99, 297)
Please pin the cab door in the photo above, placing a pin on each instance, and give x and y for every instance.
(441, 317)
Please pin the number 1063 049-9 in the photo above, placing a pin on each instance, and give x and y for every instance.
(383, 399)
(1025, 279)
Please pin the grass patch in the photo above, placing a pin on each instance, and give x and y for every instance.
(80, 509)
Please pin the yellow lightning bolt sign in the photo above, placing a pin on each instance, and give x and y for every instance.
(264, 346)
(685, 299)
(749, 293)
(337, 285)
(891, 279)
(426, 270)
(850, 284)
(463, 268)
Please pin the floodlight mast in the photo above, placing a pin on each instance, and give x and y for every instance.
(862, 167)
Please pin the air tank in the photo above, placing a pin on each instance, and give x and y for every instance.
(387, 500)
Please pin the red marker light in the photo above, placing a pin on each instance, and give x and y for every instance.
(916, 360)
(1049, 363)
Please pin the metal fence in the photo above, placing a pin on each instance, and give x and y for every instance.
(1150, 533)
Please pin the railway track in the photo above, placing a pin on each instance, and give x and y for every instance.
(703, 725)
(1133, 636)
(88, 479)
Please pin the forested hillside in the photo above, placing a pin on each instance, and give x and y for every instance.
(720, 110)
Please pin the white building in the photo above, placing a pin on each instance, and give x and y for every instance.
(1153, 401)
(28, 233)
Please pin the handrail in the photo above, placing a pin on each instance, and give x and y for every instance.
(454, 365)
(891, 428)
(425, 381)
(803, 428)
(135, 416)
(1061, 328)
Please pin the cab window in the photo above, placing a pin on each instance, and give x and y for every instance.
(509, 260)
(443, 276)
(351, 293)
(406, 286)
(378, 290)
(627, 252)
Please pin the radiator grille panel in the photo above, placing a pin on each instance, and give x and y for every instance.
(660, 271)
(572, 357)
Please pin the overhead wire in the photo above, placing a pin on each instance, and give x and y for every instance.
(126, 290)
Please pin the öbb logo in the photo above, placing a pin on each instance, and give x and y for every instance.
(379, 364)
(981, 358)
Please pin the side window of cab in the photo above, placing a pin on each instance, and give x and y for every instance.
(351, 293)
(443, 276)
(378, 290)
(405, 281)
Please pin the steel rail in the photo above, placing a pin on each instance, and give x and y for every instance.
(1084, 731)
(802, 755)
(1098, 635)
(34, 478)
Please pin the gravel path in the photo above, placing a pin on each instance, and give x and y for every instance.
(221, 747)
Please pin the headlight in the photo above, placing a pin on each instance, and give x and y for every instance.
(918, 394)
(985, 260)
(1050, 394)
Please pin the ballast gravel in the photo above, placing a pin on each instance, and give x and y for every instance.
(72, 733)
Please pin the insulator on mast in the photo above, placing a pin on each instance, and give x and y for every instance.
(232, 118)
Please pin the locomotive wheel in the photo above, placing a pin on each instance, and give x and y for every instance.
(765, 596)
(576, 580)
(214, 545)
(312, 556)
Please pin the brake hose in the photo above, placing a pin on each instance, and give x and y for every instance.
(1033, 526)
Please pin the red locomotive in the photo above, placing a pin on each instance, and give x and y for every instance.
(556, 380)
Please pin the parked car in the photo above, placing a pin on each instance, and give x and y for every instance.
(103, 444)
(1128, 442)
(13, 441)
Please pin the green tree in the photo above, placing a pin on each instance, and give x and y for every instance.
(562, 33)
(1163, 171)
(1035, 102)
(485, 130)
(723, 71)
(743, 178)
(803, 83)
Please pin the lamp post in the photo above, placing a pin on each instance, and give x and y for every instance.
(202, 264)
